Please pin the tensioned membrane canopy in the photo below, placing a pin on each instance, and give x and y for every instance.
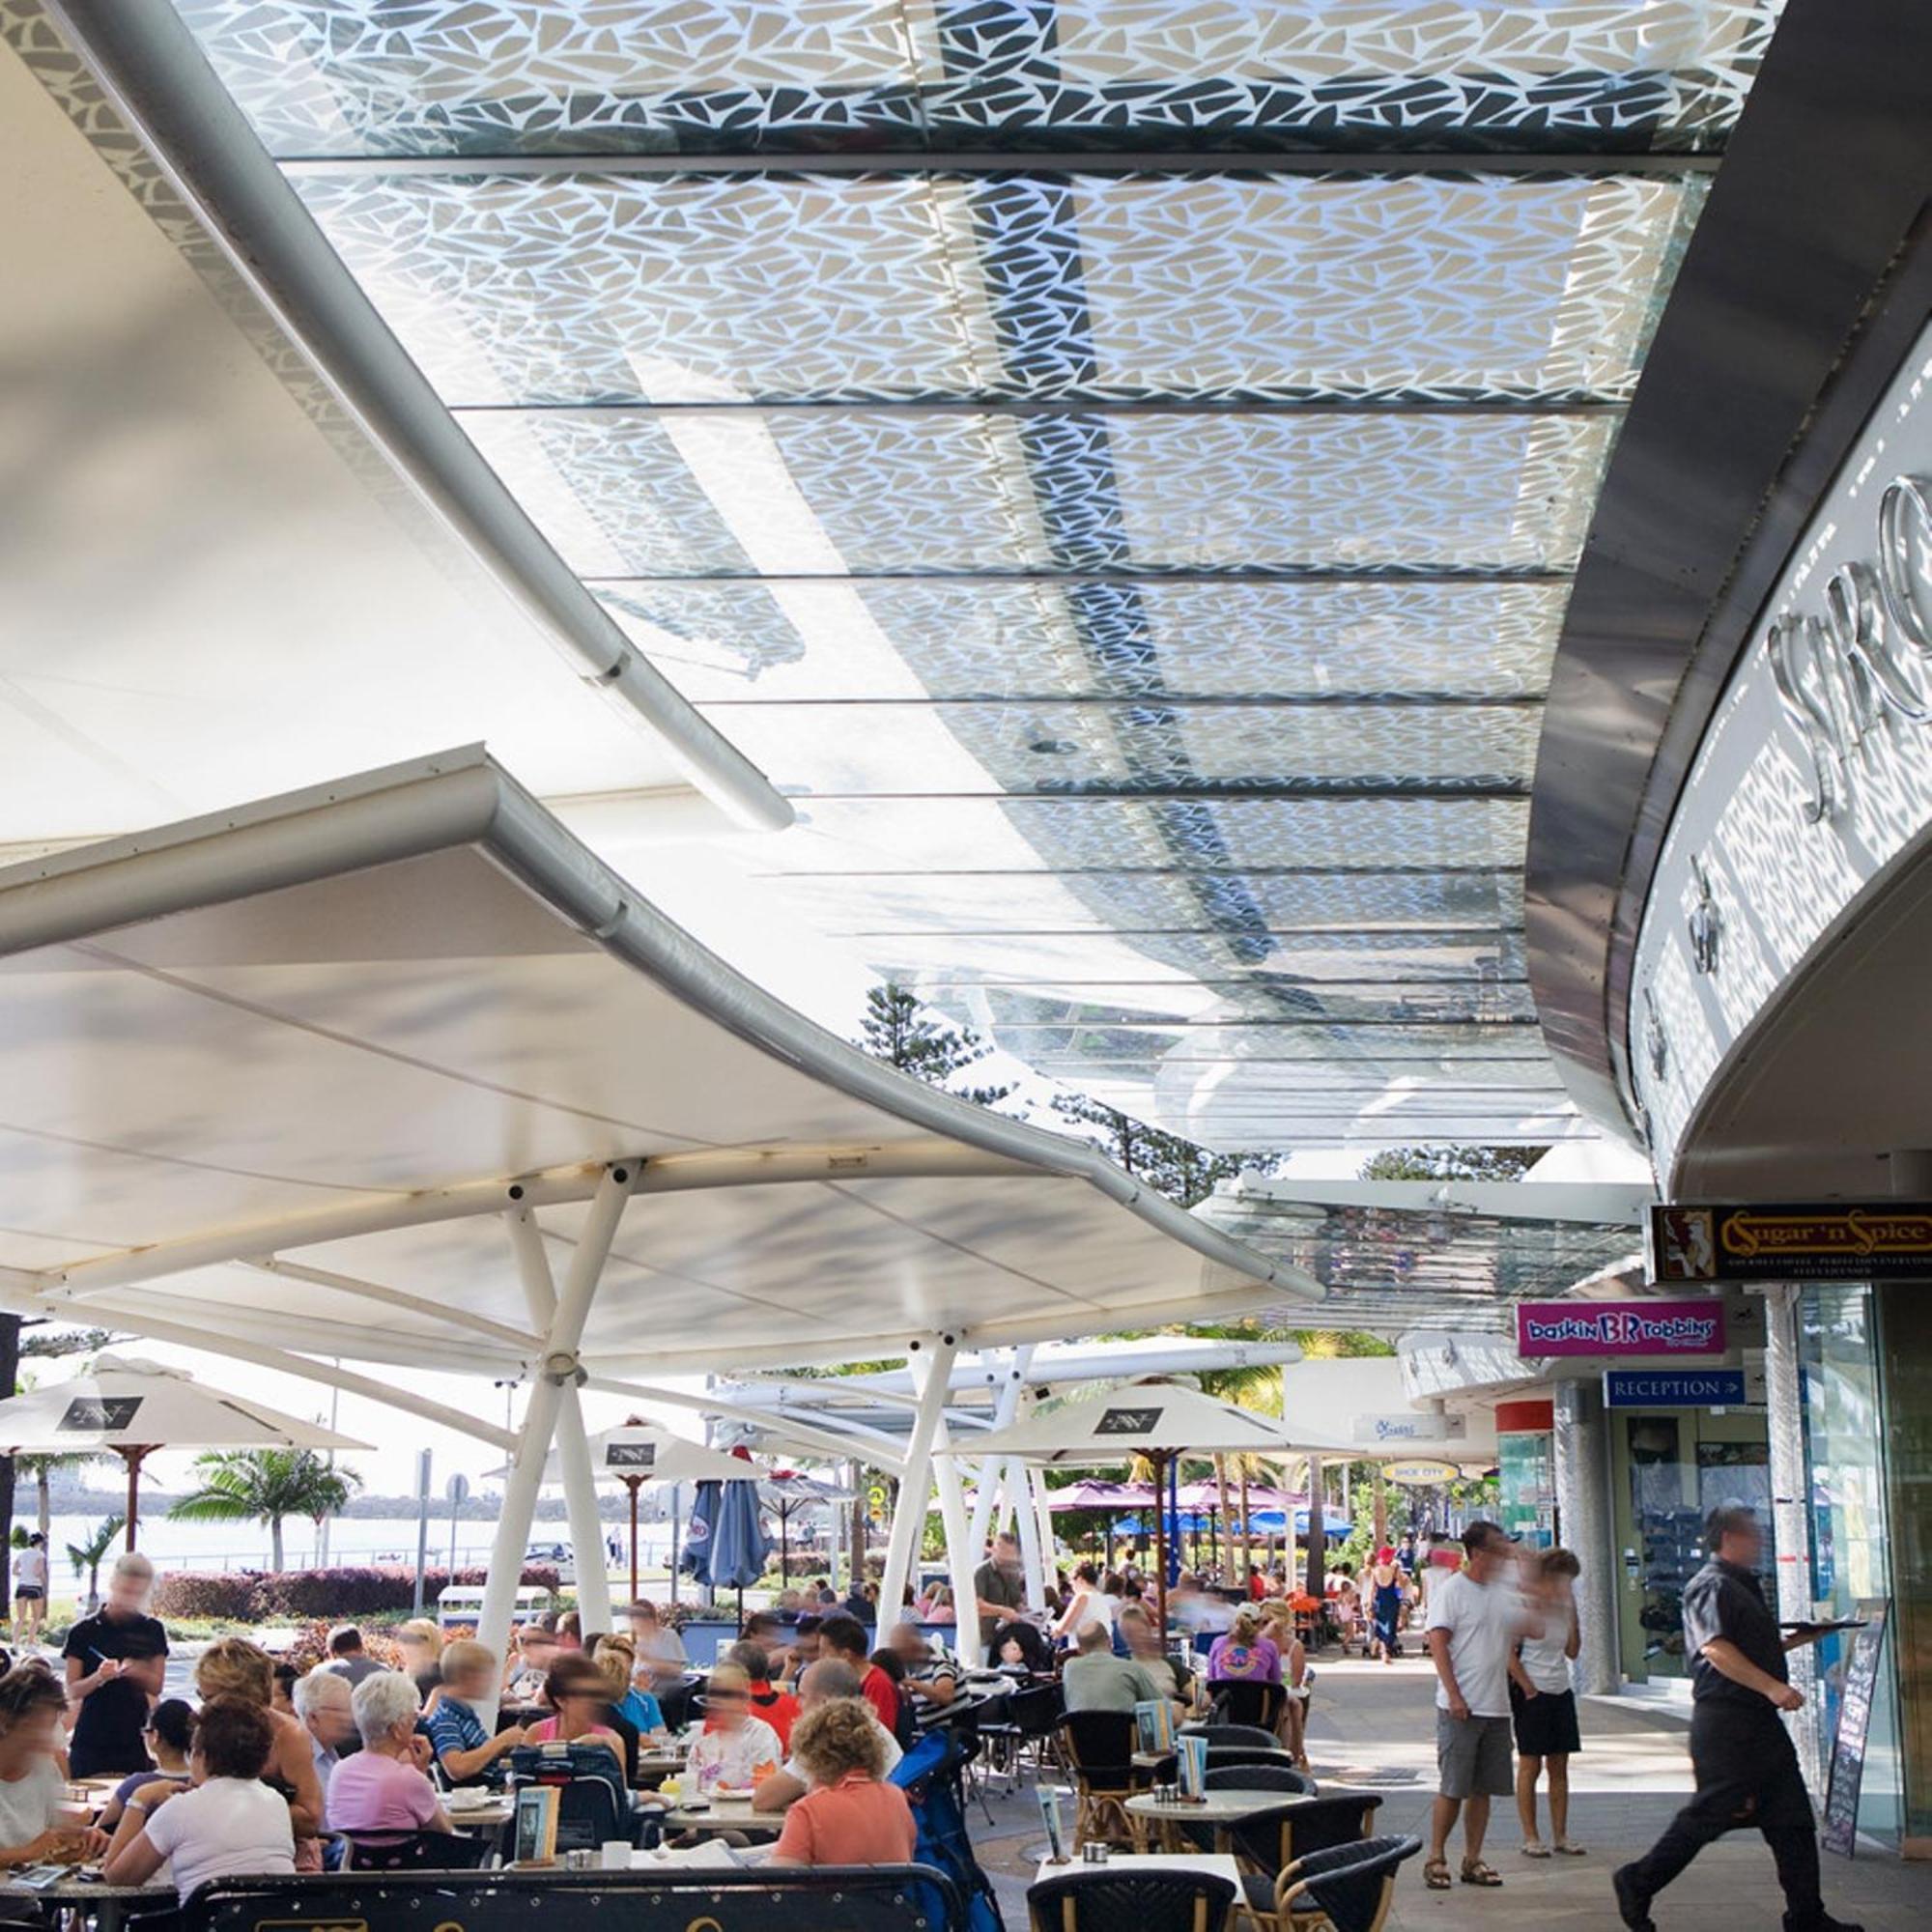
(1117, 464)
(277, 1076)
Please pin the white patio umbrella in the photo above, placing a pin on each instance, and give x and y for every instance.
(637, 1453)
(131, 1408)
(1162, 1421)
(789, 1490)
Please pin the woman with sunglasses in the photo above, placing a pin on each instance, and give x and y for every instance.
(579, 1695)
(169, 1735)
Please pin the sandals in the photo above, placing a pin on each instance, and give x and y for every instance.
(1476, 1873)
(1564, 1849)
(1435, 1875)
(1535, 1848)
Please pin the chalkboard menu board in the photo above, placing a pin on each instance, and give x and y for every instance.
(1848, 1748)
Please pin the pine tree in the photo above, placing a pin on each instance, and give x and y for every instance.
(1452, 1163)
(899, 1030)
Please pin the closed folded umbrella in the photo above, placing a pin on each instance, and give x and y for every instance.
(740, 1549)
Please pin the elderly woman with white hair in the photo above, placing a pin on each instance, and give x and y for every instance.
(379, 1792)
(116, 1660)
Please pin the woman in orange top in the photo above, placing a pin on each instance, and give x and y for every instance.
(850, 1817)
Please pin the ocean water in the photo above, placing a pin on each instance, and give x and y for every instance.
(243, 1546)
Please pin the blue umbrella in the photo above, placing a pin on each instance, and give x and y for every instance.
(740, 1548)
(696, 1562)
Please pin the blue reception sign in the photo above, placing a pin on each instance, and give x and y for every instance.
(1675, 1388)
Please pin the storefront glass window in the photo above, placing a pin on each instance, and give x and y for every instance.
(1850, 1568)
(1906, 1436)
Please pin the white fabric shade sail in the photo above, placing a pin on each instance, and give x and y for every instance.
(1136, 1418)
(129, 1406)
(378, 1069)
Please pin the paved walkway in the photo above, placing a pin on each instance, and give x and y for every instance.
(1372, 1725)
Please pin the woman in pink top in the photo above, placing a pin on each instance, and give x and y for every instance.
(580, 1693)
(379, 1792)
(849, 1817)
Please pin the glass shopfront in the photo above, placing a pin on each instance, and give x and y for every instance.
(1905, 1387)
(1844, 1432)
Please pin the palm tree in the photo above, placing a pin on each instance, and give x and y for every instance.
(265, 1486)
(87, 1557)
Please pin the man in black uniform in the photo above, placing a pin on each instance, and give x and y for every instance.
(1745, 1768)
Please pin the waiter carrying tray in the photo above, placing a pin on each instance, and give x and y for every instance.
(1745, 1766)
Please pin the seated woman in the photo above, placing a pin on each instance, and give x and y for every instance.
(32, 1783)
(421, 1645)
(465, 1751)
(936, 1607)
(227, 1821)
(379, 1792)
(579, 1695)
(617, 1658)
(734, 1750)
(232, 1666)
(849, 1816)
(169, 1736)
(1244, 1654)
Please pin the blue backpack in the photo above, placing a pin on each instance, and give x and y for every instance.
(929, 1775)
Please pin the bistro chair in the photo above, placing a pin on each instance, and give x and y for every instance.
(1257, 1705)
(415, 1851)
(1097, 1747)
(1248, 1735)
(1032, 1717)
(1347, 1888)
(1283, 1778)
(1146, 1901)
(1267, 1843)
(1220, 1756)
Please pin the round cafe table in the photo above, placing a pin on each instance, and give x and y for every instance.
(722, 1814)
(1149, 1814)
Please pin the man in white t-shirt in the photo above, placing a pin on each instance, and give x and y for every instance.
(1475, 1616)
(831, 1677)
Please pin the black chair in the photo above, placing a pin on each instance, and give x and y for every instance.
(1242, 1703)
(1104, 1901)
(417, 1851)
(1220, 1756)
(1348, 1886)
(1283, 1778)
(1341, 1887)
(1248, 1735)
(1032, 1717)
(1098, 1748)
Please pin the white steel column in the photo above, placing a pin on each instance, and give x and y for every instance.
(559, 1367)
(993, 1471)
(961, 1552)
(573, 1444)
(1044, 1528)
(932, 1375)
(1026, 1519)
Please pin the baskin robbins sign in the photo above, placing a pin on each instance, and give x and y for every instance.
(1620, 1327)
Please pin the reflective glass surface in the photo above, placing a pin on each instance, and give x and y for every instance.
(586, 288)
(545, 76)
(1116, 465)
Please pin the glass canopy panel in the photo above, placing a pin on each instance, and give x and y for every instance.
(589, 288)
(882, 746)
(541, 76)
(883, 492)
(719, 641)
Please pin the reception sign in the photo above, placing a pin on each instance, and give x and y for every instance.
(1620, 1327)
(1832, 1241)
(1676, 1388)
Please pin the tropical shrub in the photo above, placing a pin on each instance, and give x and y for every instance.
(294, 1596)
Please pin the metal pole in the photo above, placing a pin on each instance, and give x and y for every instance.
(931, 1372)
(1790, 1534)
(133, 1456)
(634, 1484)
(992, 1472)
(1158, 1458)
(962, 1561)
(422, 1526)
(676, 1503)
(1018, 1480)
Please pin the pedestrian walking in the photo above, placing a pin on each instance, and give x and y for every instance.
(1745, 1766)
(1543, 1704)
(1475, 1616)
(1385, 1600)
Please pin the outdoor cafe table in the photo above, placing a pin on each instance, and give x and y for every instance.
(724, 1814)
(1210, 1864)
(109, 1904)
(491, 1816)
(1219, 1810)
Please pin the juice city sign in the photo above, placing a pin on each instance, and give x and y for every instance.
(1620, 1328)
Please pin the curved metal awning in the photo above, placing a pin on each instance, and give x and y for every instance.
(1118, 467)
(278, 1077)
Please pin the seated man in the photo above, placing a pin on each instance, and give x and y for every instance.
(1095, 1679)
(930, 1680)
(821, 1684)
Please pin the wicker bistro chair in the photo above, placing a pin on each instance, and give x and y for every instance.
(1097, 1749)
(1344, 1889)
(1221, 1756)
(1257, 1705)
(415, 1851)
(1231, 1736)
(1146, 1901)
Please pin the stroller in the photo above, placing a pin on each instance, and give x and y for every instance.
(929, 1775)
